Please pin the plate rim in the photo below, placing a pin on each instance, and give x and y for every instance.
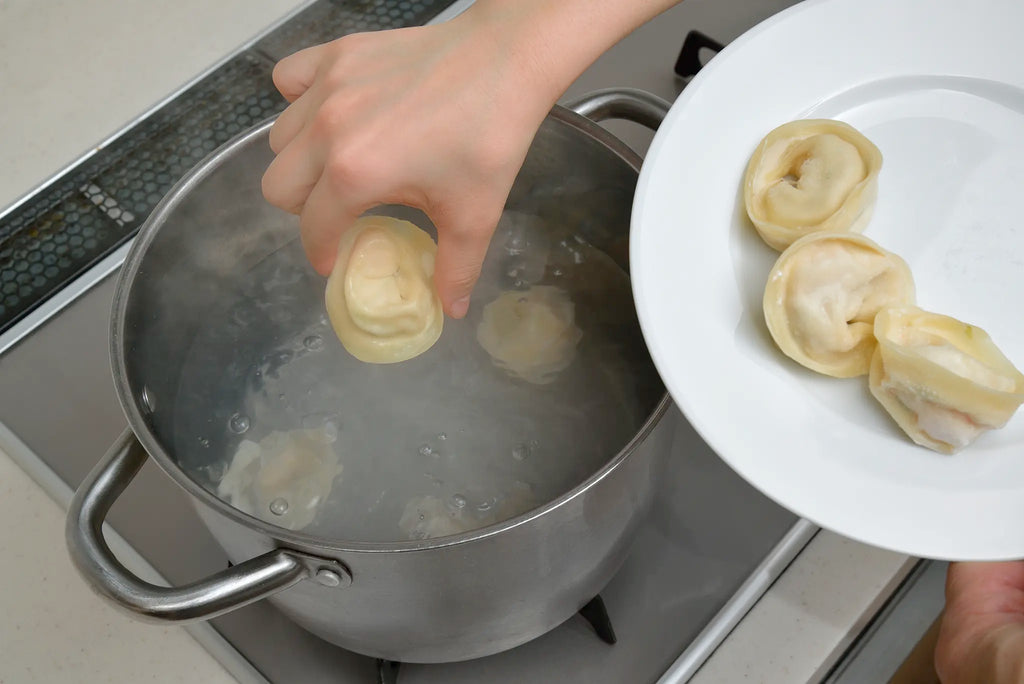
(708, 428)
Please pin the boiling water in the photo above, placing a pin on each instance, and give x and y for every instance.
(445, 434)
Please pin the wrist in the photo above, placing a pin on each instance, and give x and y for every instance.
(552, 42)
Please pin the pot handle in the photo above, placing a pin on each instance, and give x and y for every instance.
(220, 593)
(632, 104)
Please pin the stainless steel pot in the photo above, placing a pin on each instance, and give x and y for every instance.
(431, 600)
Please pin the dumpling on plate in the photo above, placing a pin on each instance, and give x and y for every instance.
(380, 295)
(944, 382)
(822, 297)
(282, 479)
(811, 175)
(531, 334)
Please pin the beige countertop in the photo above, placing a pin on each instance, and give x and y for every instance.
(72, 73)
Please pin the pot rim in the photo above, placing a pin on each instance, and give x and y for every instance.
(136, 420)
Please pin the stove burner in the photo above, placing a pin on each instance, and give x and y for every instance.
(594, 612)
(387, 671)
(597, 615)
(689, 62)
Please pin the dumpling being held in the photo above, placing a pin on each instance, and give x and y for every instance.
(530, 334)
(822, 297)
(944, 382)
(380, 295)
(811, 175)
(283, 479)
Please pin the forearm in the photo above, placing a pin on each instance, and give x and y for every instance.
(554, 41)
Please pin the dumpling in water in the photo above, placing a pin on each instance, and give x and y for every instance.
(822, 297)
(811, 175)
(380, 296)
(284, 478)
(943, 381)
(530, 334)
(427, 517)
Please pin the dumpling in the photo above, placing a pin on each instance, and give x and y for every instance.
(380, 296)
(530, 334)
(943, 381)
(284, 478)
(811, 175)
(428, 517)
(822, 297)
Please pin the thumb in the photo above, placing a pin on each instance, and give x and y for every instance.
(461, 248)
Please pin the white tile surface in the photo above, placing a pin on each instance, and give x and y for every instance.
(73, 72)
(806, 620)
(53, 629)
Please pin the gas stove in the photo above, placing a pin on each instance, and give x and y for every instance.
(710, 547)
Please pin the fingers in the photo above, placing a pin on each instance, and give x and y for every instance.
(293, 174)
(461, 248)
(986, 586)
(326, 215)
(294, 74)
(291, 122)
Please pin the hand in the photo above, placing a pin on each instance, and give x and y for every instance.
(981, 638)
(438, 118)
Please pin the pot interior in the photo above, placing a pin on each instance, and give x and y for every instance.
(227, 355)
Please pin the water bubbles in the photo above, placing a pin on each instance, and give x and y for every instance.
(238, 423)
(442, 436)
(422, 517)
(521, 451)
(330, 423)
(147, 400)
(282, 357)
(204, 442)
(557, 272)
(331, 429)
(459, 501)
(216, 471)
(516, 241)
(313, 343)
(485, 506)
(426, 450)
(275, 361)
(243, 315)
(279, 506)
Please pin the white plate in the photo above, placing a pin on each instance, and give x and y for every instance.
(936, 84)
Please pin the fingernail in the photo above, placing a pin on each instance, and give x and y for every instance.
(459, 307)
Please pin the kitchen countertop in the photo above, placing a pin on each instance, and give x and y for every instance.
(63, 56)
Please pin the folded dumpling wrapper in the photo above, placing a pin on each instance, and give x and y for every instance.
(822, 297)
(811, 175)
(531, 334)
(943, 381)
(380, 295)
(284, 478)
(429, 517)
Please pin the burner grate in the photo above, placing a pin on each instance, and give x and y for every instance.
(594, 613)
(95, 207)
